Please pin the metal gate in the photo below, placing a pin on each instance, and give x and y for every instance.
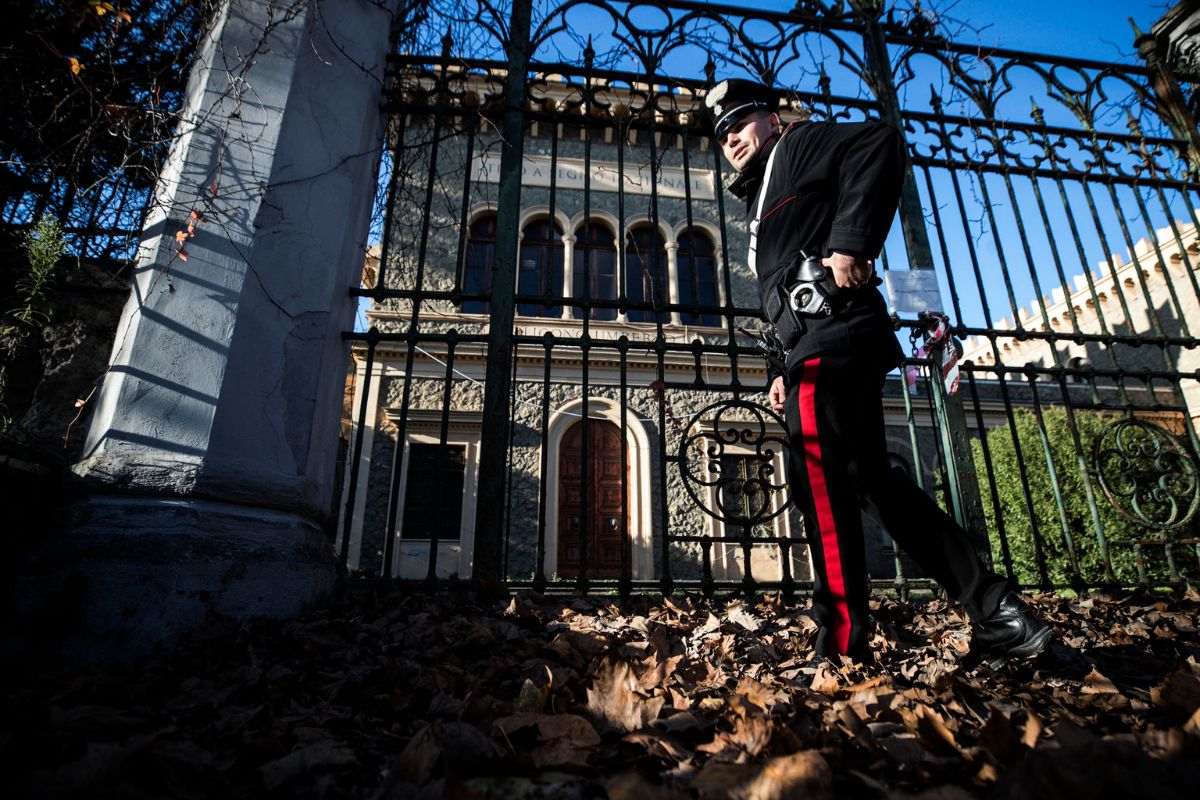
(557, 251)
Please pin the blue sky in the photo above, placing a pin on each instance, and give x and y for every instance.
(1085, 29)
(1095, 29)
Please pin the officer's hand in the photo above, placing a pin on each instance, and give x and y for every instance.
(777, 393)
(849, 272)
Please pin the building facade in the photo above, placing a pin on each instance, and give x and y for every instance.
(631, 282)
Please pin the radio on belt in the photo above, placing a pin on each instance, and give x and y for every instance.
(811, 293)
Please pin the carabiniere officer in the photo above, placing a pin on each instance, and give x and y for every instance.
(821, 198)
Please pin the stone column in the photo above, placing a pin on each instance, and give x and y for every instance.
(568, 273)
(672, 249)
(208, 472)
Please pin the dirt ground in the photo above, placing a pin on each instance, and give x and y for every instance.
(399, 695)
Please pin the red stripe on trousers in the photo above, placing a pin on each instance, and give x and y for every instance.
(816, 480)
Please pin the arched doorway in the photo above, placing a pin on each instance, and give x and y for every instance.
(596, 531)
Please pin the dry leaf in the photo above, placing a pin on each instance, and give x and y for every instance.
(799, 776)
(562, 739)
(613, 701)
(1192, 726)
(1096, 683)
(1033, 729)
(934, 733)
(1179, 694)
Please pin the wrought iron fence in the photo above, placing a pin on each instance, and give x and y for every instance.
(554, 389)
(91, 96)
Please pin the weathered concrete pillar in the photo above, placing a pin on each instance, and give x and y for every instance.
(208, 472)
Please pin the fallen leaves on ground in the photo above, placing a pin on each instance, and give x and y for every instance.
(401, 695)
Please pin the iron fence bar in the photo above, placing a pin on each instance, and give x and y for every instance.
(389, 208)
(726, 277)
(1051, 154)
(1151, 311)
(1086, 476)
(666, 581)
(391, 532)
(1052, 473)
(488, 569)
(652, 143)
(1018, 454)
(448, 381)
(994, 227)
(1063, 282)
(460, 261)
(986, 452)
(553, 222)
(968, 238)
(691, 254)
(585, 493)
(626, 568)
(947, 263)
(1152, 235)
(539, 578)
(1173, 223)
(918, 475)
(747, 544)
(1117, 287)
(883, 85)
(508, 468)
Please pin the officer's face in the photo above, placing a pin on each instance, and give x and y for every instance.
(742, 141)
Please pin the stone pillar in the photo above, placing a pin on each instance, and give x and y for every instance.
(672, 249)
(568, 273)
(208, 473)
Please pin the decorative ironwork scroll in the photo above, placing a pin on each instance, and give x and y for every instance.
(735, 427)
(1146, 474)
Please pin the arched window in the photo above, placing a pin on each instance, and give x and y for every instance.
(645, 272)
(595, 269)
(480, 263)
(697, 272)
(539, 273)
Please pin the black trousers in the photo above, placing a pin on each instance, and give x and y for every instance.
(838, 468)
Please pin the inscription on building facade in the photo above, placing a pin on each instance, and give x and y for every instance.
(538, 170)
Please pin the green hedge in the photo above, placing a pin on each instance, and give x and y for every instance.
(1119, 532)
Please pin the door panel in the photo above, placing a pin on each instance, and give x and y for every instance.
(603, 530)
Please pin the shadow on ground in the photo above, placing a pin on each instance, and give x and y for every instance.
(391, 695)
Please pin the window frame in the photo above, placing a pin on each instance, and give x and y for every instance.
(686, 262)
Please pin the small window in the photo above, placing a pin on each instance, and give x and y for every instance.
(479, 266)
(433, 493)
(645, 270)
(697, 271)
(541, 268)
(744, 487)
(596, 270)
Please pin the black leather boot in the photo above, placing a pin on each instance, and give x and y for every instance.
(1014, 630)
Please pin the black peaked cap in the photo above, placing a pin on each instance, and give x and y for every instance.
(734, 98)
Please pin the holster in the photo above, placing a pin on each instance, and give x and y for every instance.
(788, 324)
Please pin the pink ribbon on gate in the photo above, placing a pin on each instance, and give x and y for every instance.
(938, 346)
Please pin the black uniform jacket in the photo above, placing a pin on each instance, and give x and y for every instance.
(835, 187)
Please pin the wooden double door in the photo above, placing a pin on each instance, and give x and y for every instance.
(600, 526)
